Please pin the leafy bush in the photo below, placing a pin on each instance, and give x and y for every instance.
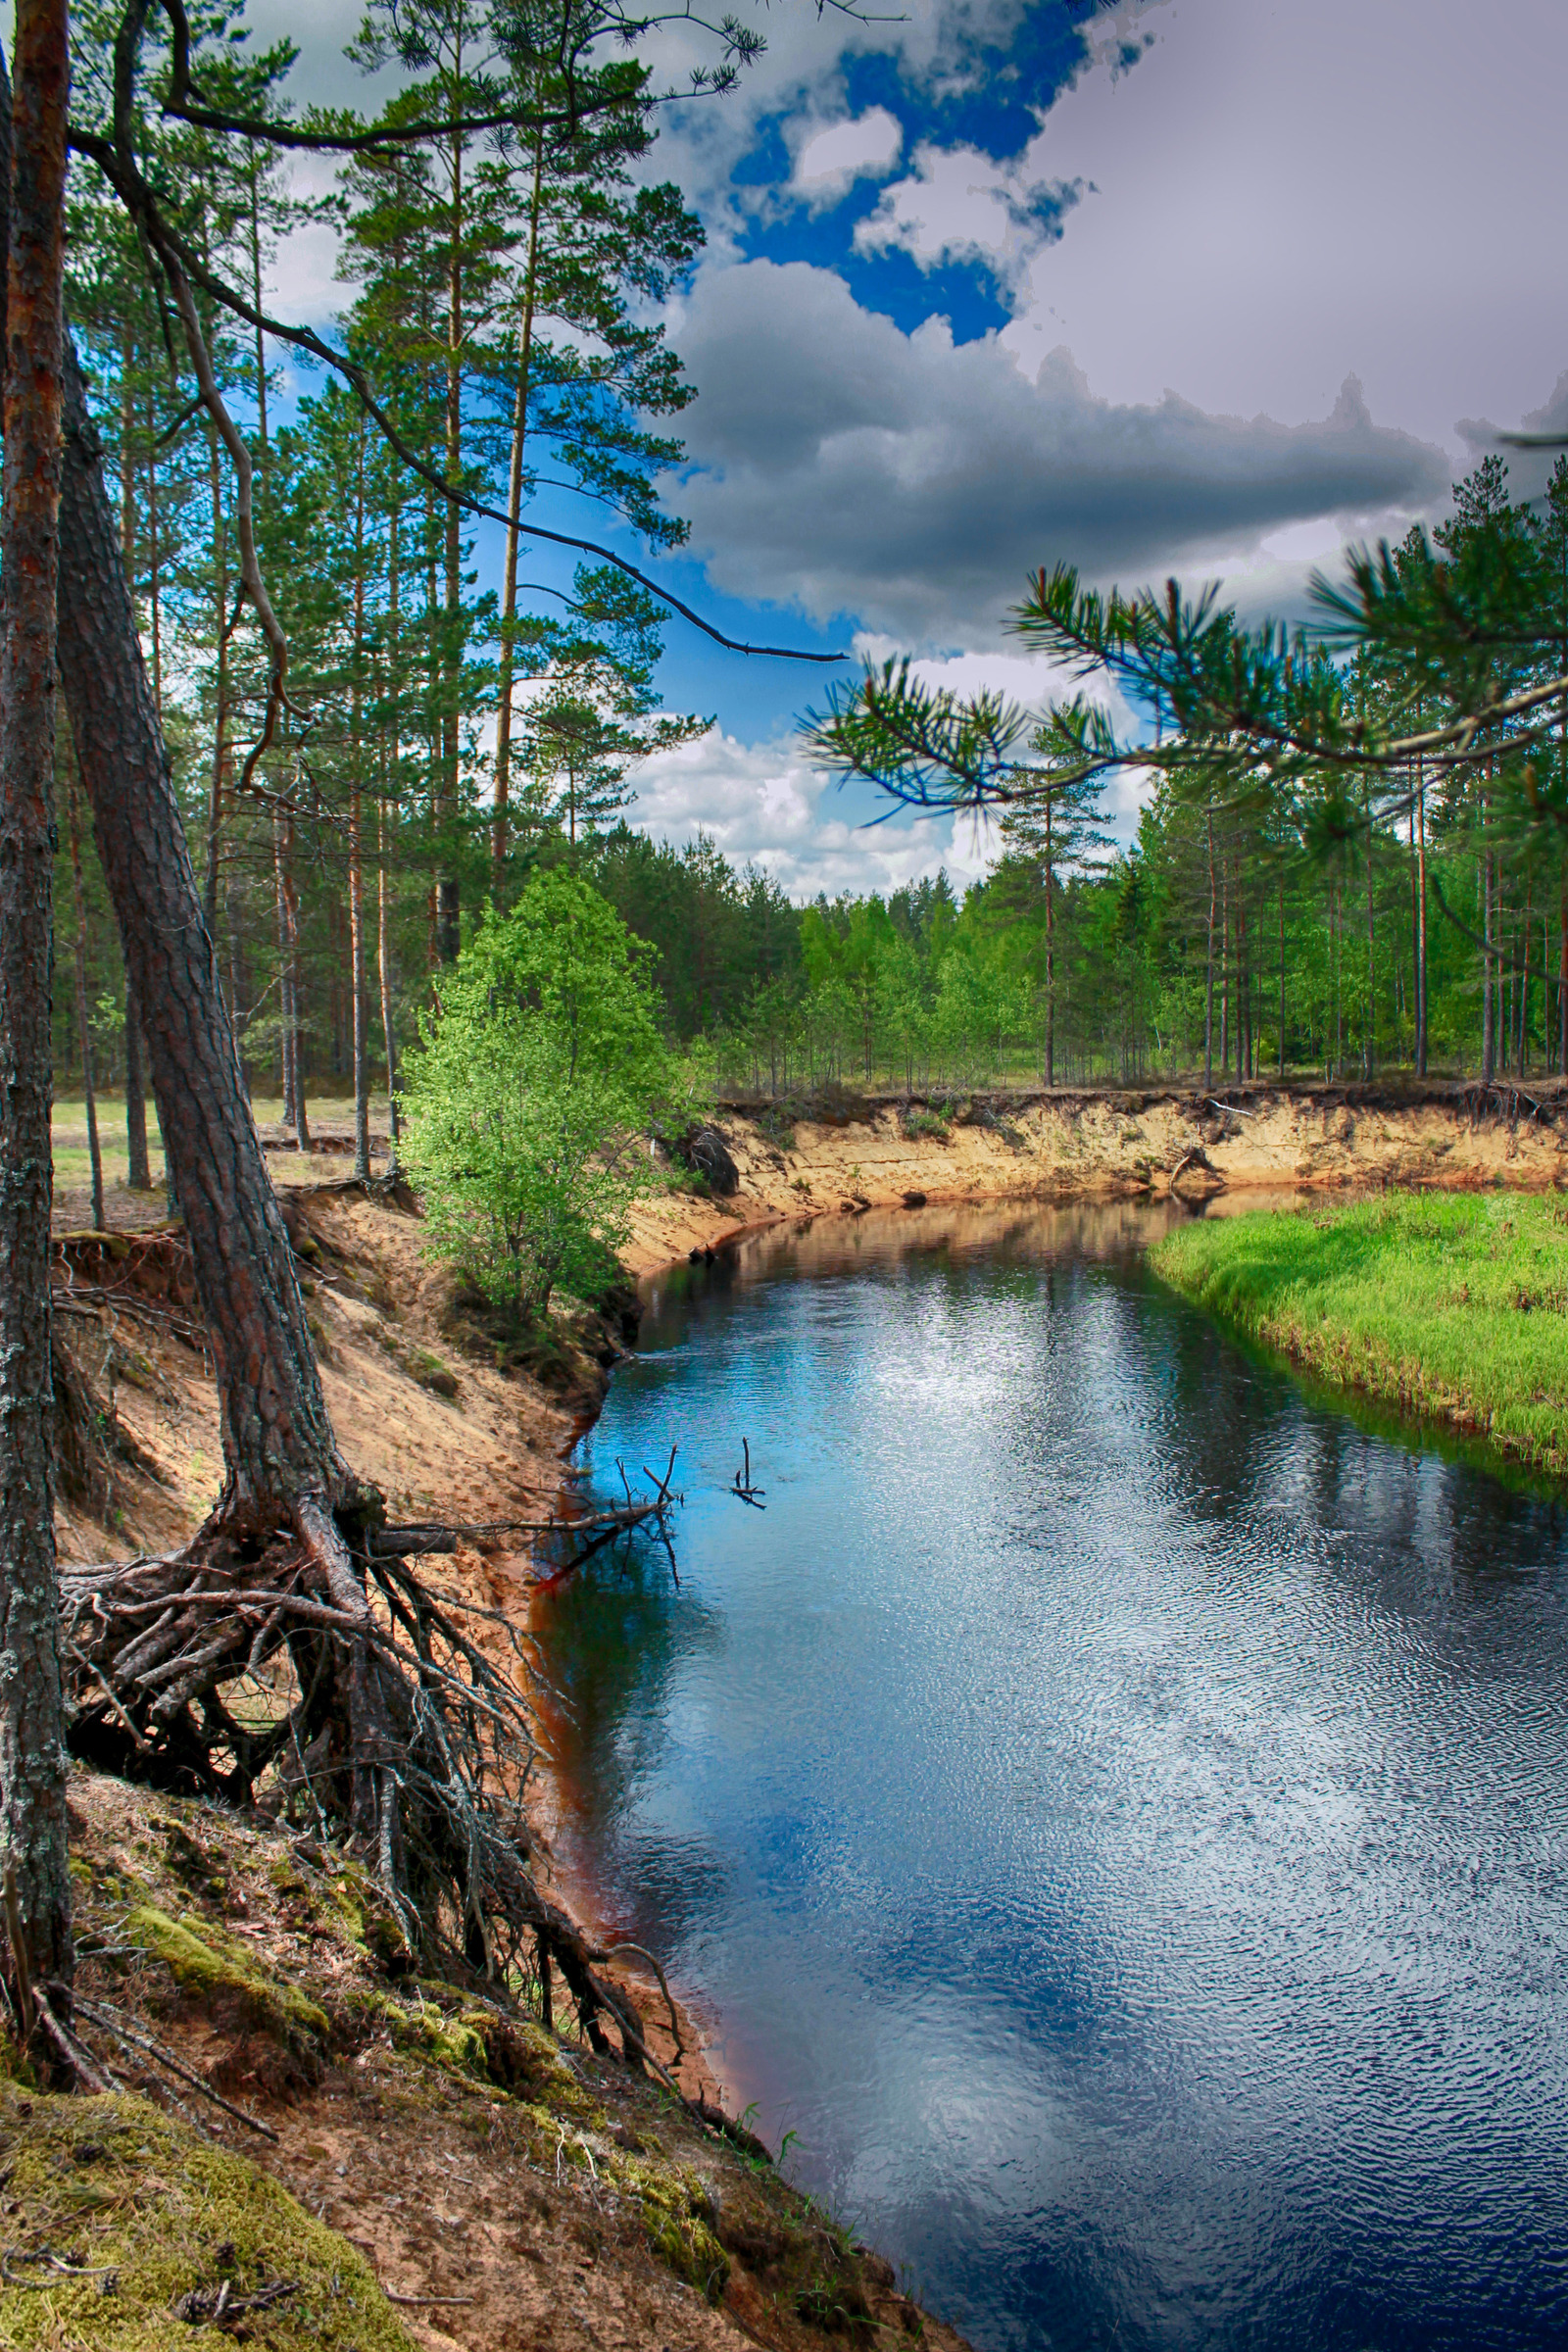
(529, 1104)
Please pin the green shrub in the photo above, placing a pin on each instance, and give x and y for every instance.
(529, 1104)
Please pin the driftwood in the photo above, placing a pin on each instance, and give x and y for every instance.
(1195, 1156)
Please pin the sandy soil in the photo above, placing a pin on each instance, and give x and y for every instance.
(1098, 1146)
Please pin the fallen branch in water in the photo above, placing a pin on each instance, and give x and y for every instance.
(743, 1486)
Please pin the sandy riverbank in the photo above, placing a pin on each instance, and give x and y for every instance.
(876, 1152)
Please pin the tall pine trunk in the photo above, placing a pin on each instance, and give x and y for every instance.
(391, 762)
(1282, 972)
(448, 911)
(215, 791)
(362, 1057)
(138, 1174)
(509, 599)
(1488, 1026)
(1208, 975)
(32, 1779)
(279, 1446)
(1370, 1046)
(89, 1094)
(1050, 955)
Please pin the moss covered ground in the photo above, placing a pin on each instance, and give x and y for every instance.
(1451, 1307)
(114, 2216)
(435, 2139)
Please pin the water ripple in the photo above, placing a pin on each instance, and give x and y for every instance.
(1116, 1802)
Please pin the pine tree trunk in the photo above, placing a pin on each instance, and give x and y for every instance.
(277, 1441)
(1224, 964)
(289, 902)
(361, 1058)
(1051, 957)
(215, 796)
(1421, 976)
(89, 1097)
(285, 994)
(154, 579)
(383, 966)
(509, 599)
(138, 1175)
(1371, 944)
(1209, 974)
(391, 757)
(32, 1779)
(1522, 1020)
(448, 916)
(1242, 979)
(1282, 973)
(1489, 1051)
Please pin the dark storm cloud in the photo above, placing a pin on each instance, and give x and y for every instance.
(852, 469)
(1529, 470)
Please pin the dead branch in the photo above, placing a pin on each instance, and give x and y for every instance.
(109, 2021)
(614, 1952)
(77, 2060)
(743, 1486)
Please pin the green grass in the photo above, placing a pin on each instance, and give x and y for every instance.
(72, 1164)
(1453, 1307)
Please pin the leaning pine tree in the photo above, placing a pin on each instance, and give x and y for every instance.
(415, 1733)
(417, 1742)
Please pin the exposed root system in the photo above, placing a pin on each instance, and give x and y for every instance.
(308, 1670)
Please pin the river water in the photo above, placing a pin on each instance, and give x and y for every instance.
(1112, 1805)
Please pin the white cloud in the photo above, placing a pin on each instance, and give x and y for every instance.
(957, 205)
(827, 160)
(301, 282)
(848, 468)
(767, 803)
(763, 802)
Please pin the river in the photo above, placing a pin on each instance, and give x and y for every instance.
(1111, 1805)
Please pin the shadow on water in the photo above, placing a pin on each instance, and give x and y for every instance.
(1115, 1801)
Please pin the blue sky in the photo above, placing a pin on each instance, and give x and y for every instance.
(1205, 286)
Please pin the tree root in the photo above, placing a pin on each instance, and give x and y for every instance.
(306, 1662)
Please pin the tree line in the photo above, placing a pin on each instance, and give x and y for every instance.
(1352, 851)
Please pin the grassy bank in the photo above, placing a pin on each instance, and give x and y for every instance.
(1450, 1306)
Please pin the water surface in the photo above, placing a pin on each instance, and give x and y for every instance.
(1112, 1805)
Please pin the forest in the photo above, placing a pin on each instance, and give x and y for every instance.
(457, 745)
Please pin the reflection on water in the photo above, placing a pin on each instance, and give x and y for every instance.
(1115, 1805)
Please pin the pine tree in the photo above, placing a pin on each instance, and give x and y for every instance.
(1058, 830)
